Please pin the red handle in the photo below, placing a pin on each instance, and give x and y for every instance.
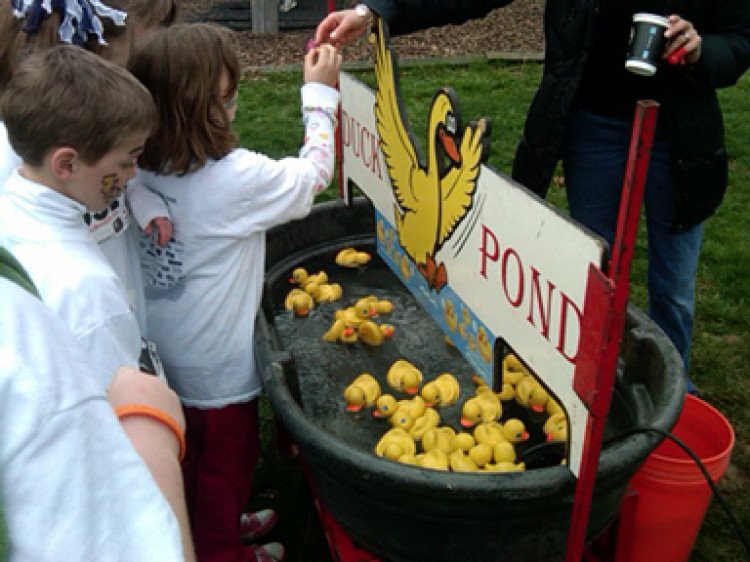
(676, 56)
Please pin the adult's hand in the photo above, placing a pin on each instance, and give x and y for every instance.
(682, 35)
(341, 27)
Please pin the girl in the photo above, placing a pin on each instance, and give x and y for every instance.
(204, 288)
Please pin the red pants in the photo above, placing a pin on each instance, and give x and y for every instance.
(222, 449)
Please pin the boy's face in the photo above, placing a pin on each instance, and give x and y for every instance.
(99, 183)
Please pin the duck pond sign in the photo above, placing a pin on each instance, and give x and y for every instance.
(496, 267)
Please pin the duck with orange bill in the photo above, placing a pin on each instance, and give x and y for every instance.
(556, 427)
(404, 376)
(372, 334)
(352, 258)
(429, 419)
(386, 406)
(327, 292)
(299, 302)
(531, 394)
(363, 391)
(444, 390)
(375, 306)
(340, 331)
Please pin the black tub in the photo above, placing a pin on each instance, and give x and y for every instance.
(400, 512)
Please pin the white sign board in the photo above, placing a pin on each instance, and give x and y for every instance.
(516, 269)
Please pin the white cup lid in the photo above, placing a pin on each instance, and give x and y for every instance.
(650, 18)
(640, 67)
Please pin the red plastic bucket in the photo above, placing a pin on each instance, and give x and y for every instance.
(673, 494)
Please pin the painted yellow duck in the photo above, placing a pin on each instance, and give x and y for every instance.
(444, 390)
(404, 376)
(483, 344)
(352, 258)
(299, 302)
(431, 199)
(395, 443)
(449, 315)
(363, 391)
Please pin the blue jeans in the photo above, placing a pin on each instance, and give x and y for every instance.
(594, 165)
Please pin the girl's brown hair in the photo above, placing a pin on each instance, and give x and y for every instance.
(182, 67)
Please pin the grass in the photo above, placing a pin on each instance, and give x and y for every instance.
(721, 345)
(268, 121)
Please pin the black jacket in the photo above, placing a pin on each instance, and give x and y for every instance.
(689, 108)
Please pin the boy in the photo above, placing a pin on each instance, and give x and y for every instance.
(78, 123)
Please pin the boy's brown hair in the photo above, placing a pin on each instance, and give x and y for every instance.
(66, 96)
(182, 66)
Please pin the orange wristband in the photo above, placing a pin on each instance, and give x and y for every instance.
(126, 410)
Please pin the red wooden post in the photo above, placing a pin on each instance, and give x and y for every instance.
(604, 307)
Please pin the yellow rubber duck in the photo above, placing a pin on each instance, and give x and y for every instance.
(395, 443)
(513, 369)
(463, 441)
(351, 257)
(481, 454)
(483, 344)
(430, 418)
(327, 292)
(514, 430)
(553, 406)
(386, 406)
(483, 407)
(556, 427)
(375, 306)
(531, 394)
(504, 451)
(461, 462)
(404, 376)
(340, 331)
(301, 277)
(490, 432)
(435, 459)
(505, 466)
(299, 302)
(362, 391)
(441, 437)
(372, 334)
(444, 390)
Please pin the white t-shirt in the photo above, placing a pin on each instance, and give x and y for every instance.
(46, 233)
(112, 228)
(71, 485)
(203, 289)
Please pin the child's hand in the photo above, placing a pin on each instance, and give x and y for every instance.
(322, 65)
(163, 228)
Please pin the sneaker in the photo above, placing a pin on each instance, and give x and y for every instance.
(256, 525)
(270, 552)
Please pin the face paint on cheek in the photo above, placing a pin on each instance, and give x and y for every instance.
(110, 189)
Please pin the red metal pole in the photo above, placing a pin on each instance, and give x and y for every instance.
(613, 289)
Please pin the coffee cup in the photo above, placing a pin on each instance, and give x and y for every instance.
(647, 43)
